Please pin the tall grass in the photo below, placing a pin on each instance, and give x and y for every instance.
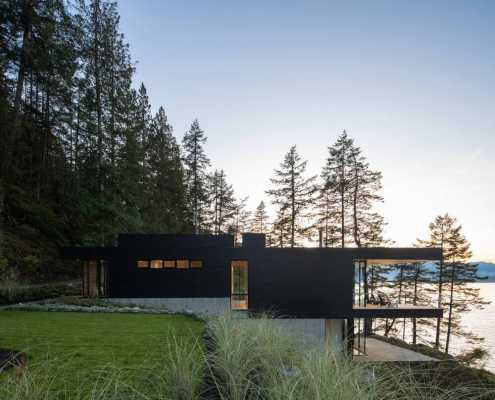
(244, 360)
(244, 352)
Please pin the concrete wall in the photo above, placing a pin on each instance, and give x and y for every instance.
(307, 332)
(314, 332)
(200, 306)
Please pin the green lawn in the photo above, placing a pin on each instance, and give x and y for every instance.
(78, 347)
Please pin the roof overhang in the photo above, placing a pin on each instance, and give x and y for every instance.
(399, 254)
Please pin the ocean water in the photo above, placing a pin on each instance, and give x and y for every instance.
(479, 322)
(482, 323)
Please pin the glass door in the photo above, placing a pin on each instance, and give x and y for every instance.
(239, 285)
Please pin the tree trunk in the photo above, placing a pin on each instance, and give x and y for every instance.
(357, 240)
(439, 303)
(342, 217)
(451, 303)
(26, 20)
(99, 133)
(44, 147)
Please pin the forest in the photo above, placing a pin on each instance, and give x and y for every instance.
(83, 158)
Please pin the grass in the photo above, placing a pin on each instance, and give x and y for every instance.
(161, 357)
(80, 348)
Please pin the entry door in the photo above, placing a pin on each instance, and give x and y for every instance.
(239, 285)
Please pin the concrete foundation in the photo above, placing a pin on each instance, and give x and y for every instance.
(306, 332)
(201, 306)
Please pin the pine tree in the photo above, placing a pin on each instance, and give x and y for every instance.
(337, 175)
(347, 196)
(454, 274)
(294, 196)
(367, 225)
(419, 288)
(164, 210)
(196, 162)
(223, 205)
(260, 219)
(327, 214)
(240, 220)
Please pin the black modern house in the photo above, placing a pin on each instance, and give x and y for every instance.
(208, 274)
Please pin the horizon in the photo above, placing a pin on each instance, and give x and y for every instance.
(411, 85)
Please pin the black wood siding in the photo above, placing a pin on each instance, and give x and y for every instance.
(304, 283)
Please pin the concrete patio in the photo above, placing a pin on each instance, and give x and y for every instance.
(378, 350)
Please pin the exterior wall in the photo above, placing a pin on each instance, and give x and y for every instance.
(200, 306)
(314, 332)
(335, 334)
(301, 283)
(128, 281)
(306, 332)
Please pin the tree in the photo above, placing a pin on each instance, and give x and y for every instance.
(196, 162)
(367, 225)
(260, 219)
(419, 289)
(240, 220)
(165, 192)
(455, 274)
(222, 202)
(327, 214)
(338, 176)
(347, 196)
(82, 158)
(294, 196)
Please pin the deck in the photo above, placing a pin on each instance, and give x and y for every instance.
(380, 351)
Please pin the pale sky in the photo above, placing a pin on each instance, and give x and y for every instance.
(412, 82)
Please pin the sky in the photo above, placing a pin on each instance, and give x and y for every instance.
(412, 82)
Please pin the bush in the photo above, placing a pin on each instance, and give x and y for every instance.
(14, 292)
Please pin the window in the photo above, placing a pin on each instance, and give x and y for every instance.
(168, 263)
(156, 264)
(239, 285)
(196, 264)
(143, 264)
(182, 264)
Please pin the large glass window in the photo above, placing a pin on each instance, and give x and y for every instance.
(143, 264)
(239, 289)
(168, 263)
(196, 264)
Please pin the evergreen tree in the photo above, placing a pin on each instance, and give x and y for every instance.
(82, 158)
(327, 214)
(223, 205)
(240, 220)
(453, 274)
(367, 225)
(338, 176)
(294, 196)
(419, 288)
(165, 192)
(260, 219)
(347, 196)
(196, 162)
